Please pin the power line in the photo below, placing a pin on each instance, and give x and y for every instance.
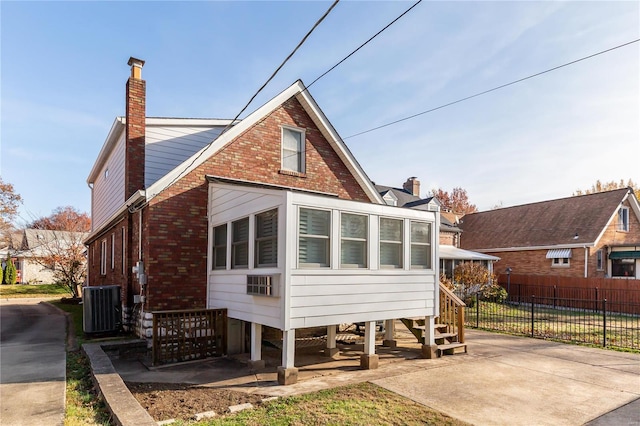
(364, 44)
(492, 90)
(233, 122)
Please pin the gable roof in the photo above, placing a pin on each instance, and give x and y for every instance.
(406, 199)
(567, 222)
(303, 96)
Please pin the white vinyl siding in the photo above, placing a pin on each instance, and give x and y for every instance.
(108, 193)
(293, 152)
(266, 246)
(309, 228)
(391, 243)
(353, 240)
(314, 230)
(169, 146)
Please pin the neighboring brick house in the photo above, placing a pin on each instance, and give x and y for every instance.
(450, 253)
(270, 217)
(594, 235)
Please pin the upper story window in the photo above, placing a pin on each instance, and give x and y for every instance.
(390, 243)
(293, 152)
(420, 245)
(314, 228)
(240, 243)
(219, 254)
(267, 239)
(353, 240)
(623, 219)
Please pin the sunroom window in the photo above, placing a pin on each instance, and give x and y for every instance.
(240, 243)
(420, 245)
(390, 243)
(353, 241)
(314, 229)
(267, 239)
(220, 247)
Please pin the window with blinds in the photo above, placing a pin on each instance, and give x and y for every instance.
(420, 245)
(390, 243)
(353, 240)
(219, 254)
(266, 239)
(314, 228)
(292, 150)
(240, 243)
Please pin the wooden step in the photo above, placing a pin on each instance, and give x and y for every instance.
(446, 335)
(449, 348)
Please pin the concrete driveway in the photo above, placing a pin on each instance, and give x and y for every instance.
(507, 380)
(504, 380)
(32, 363)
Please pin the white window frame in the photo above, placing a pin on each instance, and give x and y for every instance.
(346, 239)
(599, 260)
(560, 262)
(236, 244)
(399, 244)
(220, 247)
(113, 251)
(285, 152)
(326, 238)
(103, 257)
(421, 244)
(623, 219)
(124, 263)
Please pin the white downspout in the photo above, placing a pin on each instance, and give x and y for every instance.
(586, 261)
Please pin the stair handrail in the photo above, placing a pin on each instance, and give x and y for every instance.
(452, 312)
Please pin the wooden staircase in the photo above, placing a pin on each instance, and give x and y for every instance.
(449, 327)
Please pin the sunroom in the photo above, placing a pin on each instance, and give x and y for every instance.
(291, 259)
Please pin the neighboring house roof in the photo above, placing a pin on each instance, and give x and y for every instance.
(566, 222)
(35, 242)
(406, 199)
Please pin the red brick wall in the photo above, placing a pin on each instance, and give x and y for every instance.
(534, 262)
(176, 220)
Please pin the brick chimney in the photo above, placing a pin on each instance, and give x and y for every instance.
(412, 185)
(135, 116)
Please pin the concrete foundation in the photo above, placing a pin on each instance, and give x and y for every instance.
(429, 351)
(287, 376)
(390, 343)
(369, 362)
(256, 365)
(330, 352)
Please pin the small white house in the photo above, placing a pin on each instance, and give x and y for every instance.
(292, 259)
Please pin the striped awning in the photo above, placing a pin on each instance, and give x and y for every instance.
(559, 253)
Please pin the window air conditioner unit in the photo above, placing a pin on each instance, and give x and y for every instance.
(101, 309)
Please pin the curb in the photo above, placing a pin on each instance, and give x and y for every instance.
(122, 405)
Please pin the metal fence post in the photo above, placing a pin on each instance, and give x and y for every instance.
(477, 311)
(595, 300)
(555, 297)
(533, 304)
(604, 323)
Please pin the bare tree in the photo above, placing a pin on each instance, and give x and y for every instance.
(457, 201)
(609, 186)
(9, 202)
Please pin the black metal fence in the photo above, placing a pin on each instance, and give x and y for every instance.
(590, 321)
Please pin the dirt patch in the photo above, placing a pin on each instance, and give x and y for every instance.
(166, 401)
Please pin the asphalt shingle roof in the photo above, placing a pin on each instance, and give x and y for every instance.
(546, 223)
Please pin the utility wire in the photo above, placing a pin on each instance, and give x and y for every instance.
(492, 90)
(233, 122)
(364, 44)
(282, 64)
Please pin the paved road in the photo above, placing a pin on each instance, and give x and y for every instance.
(32, 363)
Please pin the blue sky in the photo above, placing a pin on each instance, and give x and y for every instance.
(64, 68)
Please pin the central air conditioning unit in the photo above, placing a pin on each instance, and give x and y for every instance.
(101, 309)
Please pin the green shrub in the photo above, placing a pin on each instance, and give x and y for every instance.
(10, 273)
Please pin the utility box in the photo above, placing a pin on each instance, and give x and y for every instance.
(101, 309)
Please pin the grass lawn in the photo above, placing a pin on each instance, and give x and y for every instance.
(39, 290)
(362, 404)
